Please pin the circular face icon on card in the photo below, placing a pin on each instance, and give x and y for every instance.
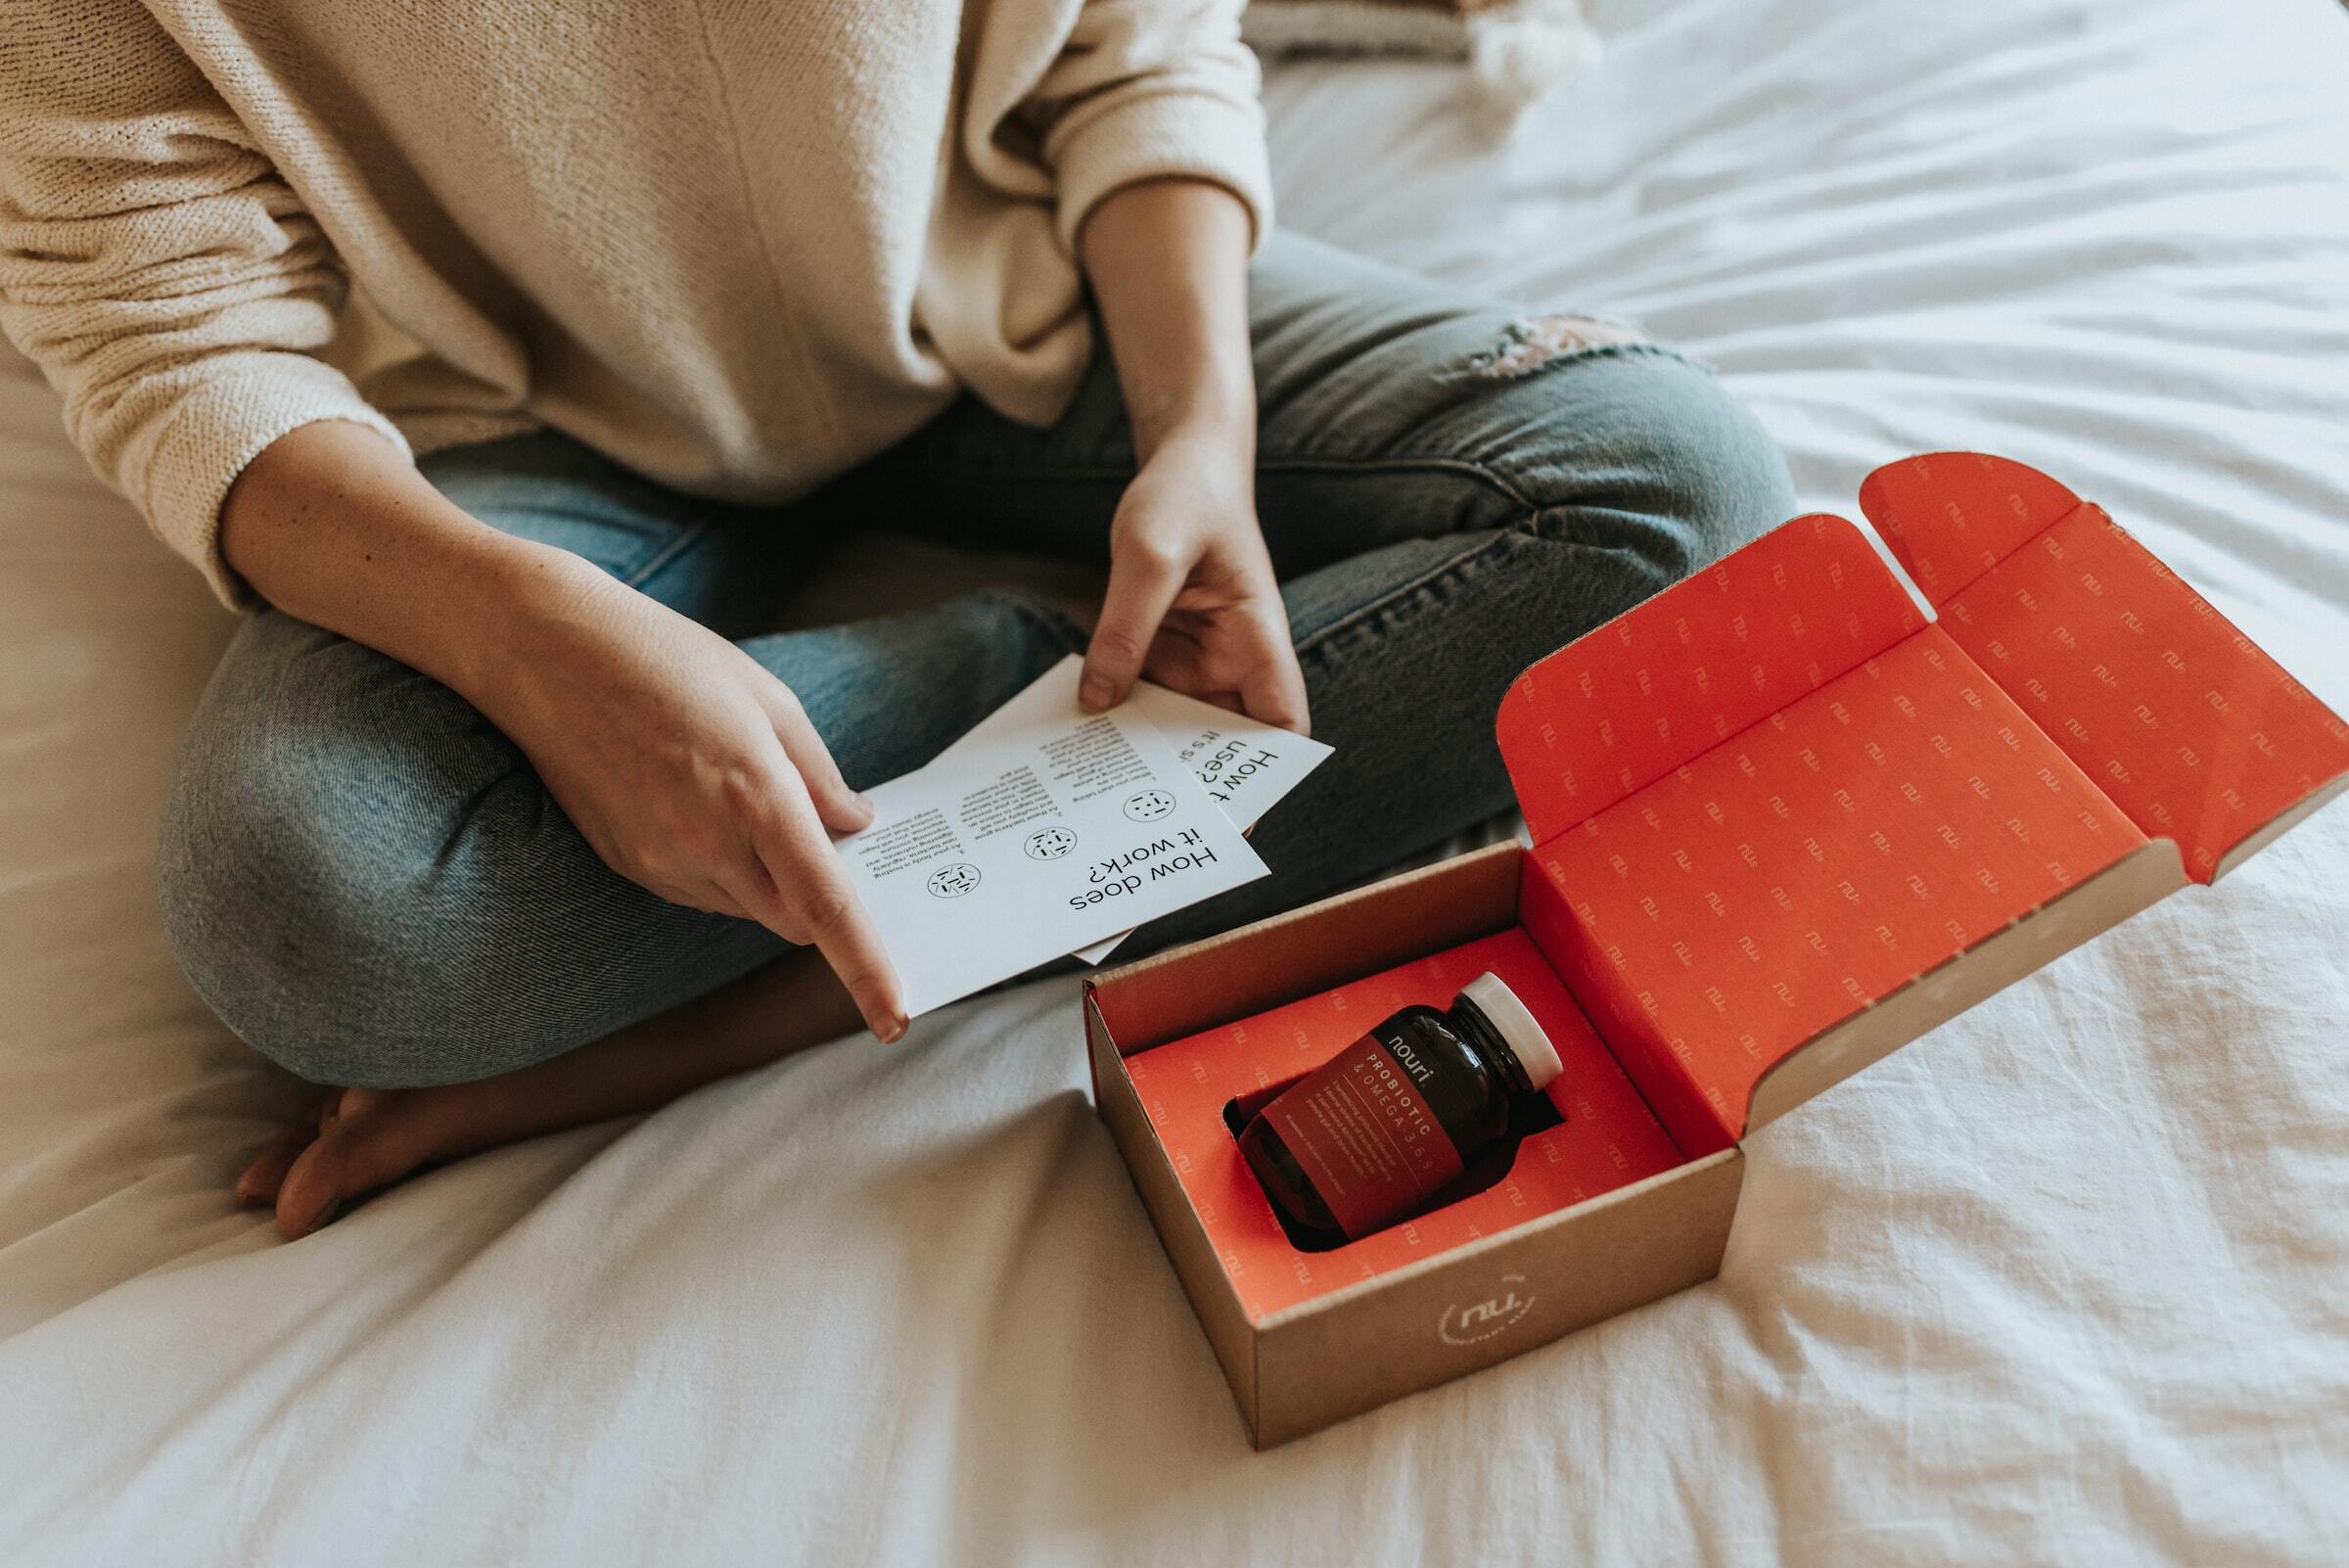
(953, 881)
(1050, 843)
(1149, 806)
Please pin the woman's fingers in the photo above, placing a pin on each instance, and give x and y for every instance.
(799, 892)
(1142, 584)
(795, 885)
(841, 809)
(1273, 689)
(1236, 655)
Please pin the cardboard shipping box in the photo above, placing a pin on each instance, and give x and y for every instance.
(1783, 824)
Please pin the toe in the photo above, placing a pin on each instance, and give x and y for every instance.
(370, 1142)
(267, 1172)
(309, 1192)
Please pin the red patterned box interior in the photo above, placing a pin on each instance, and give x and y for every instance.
(1773, 795)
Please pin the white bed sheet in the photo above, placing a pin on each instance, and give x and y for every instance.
(2062, 1282)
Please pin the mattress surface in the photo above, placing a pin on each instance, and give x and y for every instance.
(2062, 1281)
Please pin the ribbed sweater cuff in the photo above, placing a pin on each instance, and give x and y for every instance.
(1176, 133)
(239, 405)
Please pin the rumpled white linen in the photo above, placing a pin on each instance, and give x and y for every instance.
(2062, 1282)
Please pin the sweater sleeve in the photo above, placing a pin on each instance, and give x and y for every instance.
(167, 280)
(1147, 89)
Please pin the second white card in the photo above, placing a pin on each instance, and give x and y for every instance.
(1050, 831)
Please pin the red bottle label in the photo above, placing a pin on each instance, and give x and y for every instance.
(1366, 1136)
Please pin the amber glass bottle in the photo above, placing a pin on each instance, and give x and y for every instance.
(1362, 1141)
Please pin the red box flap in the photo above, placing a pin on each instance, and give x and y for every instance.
(1949, 517)
(1664, 682)
(2182, 720)
(1869, 833)
(1773, 795)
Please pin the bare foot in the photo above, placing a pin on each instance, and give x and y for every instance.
(357, 1141)
(361, 1140)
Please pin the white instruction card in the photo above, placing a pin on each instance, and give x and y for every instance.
(1050, 831)
(1245, 765)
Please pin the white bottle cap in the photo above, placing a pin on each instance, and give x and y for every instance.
(1517, 1026)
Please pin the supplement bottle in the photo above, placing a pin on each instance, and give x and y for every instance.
(1364, 1139)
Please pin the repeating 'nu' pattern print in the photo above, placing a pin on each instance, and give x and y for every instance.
(1814, 864)
(1662, 683)
(2181, 718)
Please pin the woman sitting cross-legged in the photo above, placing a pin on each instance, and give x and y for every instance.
(508, 808)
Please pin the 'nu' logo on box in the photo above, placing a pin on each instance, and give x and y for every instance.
(1482, 1320)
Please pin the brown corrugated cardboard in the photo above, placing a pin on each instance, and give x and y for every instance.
(1782, 825)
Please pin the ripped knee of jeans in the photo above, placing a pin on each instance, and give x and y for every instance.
(1528, 344)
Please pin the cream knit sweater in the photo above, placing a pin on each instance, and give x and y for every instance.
(736, 244)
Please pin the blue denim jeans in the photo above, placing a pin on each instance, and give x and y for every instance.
(368, 882)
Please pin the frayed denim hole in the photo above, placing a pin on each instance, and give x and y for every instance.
(1537, 344)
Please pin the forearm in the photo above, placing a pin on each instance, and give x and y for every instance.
(685, 764)
(1167, 260)
(330, 525)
